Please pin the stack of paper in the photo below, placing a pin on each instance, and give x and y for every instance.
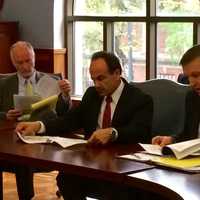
(191, 164)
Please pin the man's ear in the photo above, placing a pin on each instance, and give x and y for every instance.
(117, 72)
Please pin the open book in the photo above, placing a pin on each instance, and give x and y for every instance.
(191, 164)
(179, 150)
(63, 142)
(183, 155)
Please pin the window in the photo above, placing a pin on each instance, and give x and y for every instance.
(178, 8)
(110, 7)
(130, 46)
(88, 39)
(149, 36)
(173, 39)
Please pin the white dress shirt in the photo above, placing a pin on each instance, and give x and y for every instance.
(21, 83)
(115, 98)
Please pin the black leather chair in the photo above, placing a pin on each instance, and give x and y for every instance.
(169, 104)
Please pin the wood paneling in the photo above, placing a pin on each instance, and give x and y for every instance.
(51, 60)
(44, 185)
(8, 35)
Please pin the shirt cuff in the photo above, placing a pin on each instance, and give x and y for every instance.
(114, 134)
(42, 128)
(64, 97)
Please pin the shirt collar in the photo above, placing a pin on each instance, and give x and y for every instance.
(117, 93)
(32, 79)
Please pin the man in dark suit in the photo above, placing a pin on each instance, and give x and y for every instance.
(130, 121)
(191, 68)
(23, 58)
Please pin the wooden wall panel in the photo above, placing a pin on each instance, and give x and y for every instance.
(51, 60)
(9, 34)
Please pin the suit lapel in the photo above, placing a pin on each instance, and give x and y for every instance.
(195, 115)
(196, 112)
(122, 101)
(12, 88)
(38, 76)
(96, 110)
(13, 85)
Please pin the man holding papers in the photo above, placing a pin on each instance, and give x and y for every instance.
(24, 82)
(110, 111)
(191, 68)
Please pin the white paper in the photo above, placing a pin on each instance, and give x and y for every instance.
(180, 150)
(24, 102)
(152, 149)
(34, 139)
(47, 86)
(137, 156)
(63, 142)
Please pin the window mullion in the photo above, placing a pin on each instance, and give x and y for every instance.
(71, 53)
(151, 43)
(108, 35)
(196, 33)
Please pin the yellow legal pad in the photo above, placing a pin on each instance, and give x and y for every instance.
(172, 161)
(190, 164)
(49, 101)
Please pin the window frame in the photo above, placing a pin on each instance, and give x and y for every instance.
(151, 21)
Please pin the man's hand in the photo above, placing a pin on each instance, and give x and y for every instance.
(65, 87)
(28, 128)
(13, 114)
(101, 137)
(162, 140)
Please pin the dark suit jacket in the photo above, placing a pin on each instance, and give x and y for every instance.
(9, 86)
(192, 118)
(132, 117)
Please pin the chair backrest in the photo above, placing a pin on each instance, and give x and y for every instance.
(53, 75)
(169, 104)
(6, 75)
(182, 79)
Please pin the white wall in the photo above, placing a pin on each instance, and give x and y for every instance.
(35, 18)
(59, 24)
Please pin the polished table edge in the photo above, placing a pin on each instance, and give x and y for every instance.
(143, 179)
(172, 184)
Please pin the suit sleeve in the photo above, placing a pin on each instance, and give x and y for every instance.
(185, 134)
(62, 124)
(63, 105)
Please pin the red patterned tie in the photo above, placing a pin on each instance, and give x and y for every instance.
(107, 113)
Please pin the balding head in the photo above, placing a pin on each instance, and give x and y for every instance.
(23, 58)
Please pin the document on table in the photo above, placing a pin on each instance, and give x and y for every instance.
(190, 164)
(63, 142)
(180, 150)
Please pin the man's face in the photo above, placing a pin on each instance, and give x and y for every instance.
(24, 60)
(192, 71)
(104, 82)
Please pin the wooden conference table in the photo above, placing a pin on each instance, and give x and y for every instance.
(101, 164)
